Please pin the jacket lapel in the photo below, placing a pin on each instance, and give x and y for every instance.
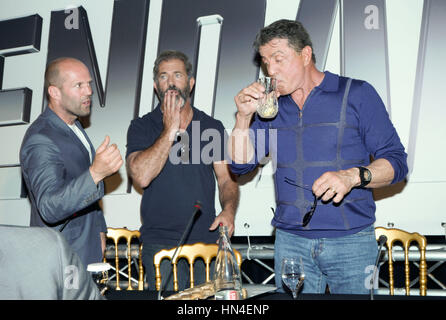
(59, 124)
(92, 150)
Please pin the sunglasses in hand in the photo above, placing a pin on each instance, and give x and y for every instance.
(307, 217)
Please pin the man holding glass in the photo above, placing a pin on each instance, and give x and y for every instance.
(328, 127)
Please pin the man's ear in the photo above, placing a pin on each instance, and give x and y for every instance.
(191, 83)
(307, 54)
(54, 92)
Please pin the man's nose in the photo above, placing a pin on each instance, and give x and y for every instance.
(170, 81)
(272, 70)
(88, 91)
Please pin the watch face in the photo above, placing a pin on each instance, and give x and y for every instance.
(367, 175)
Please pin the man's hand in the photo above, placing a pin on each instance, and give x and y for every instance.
(225, 218)
(171, 113)
(107, 161)
(336, 184)
(247, 99)
(239, 144)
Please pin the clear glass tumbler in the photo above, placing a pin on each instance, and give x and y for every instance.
(268, 105)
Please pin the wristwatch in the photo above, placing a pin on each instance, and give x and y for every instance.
(365, 175)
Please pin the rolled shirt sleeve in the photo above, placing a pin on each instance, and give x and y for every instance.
(378, 133)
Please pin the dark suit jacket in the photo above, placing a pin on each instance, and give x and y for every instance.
(55, 167)
(37, 263)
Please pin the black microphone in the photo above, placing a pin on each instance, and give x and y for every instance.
(381, 241)
(197, 209)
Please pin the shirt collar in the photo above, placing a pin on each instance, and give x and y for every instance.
(330, 83)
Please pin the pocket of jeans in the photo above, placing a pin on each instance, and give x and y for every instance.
(370, 230)
(366, 235)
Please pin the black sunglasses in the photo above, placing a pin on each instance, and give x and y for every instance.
(307, 217)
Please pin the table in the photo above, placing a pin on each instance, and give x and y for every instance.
(434, 253)
(270, 296)
(269, 305)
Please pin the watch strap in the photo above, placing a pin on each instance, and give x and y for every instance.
(362, 175)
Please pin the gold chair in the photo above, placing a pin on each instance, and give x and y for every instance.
(190, 252)
(116, 234)
(397, 235)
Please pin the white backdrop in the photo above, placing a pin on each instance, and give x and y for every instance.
(417, 206)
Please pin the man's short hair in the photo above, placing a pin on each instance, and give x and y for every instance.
(170, 55)
(293, 31)
(53, 76)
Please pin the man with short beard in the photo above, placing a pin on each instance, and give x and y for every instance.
(159, 160)
(62, 171)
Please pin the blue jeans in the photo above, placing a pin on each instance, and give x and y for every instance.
(345, 264)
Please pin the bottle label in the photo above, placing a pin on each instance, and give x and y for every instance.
(227, 295)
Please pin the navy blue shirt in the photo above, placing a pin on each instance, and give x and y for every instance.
(326, 135)
(188, 175)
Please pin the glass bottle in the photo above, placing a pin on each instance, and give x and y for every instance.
(227, 278)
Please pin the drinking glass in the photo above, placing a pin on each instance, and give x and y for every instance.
(293, 274)
(99, 274)
(268, 105)
(443, 224)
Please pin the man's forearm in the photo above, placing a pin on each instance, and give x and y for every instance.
(144, 166)
(240, 147)
(382, 173)
(229, 196)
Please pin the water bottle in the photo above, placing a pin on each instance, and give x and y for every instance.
(227, 279)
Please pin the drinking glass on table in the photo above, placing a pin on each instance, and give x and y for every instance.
(99, 274)
(443, 224)
(293, 274)
(268, 105)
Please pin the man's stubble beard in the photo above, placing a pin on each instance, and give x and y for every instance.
(182, 94)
